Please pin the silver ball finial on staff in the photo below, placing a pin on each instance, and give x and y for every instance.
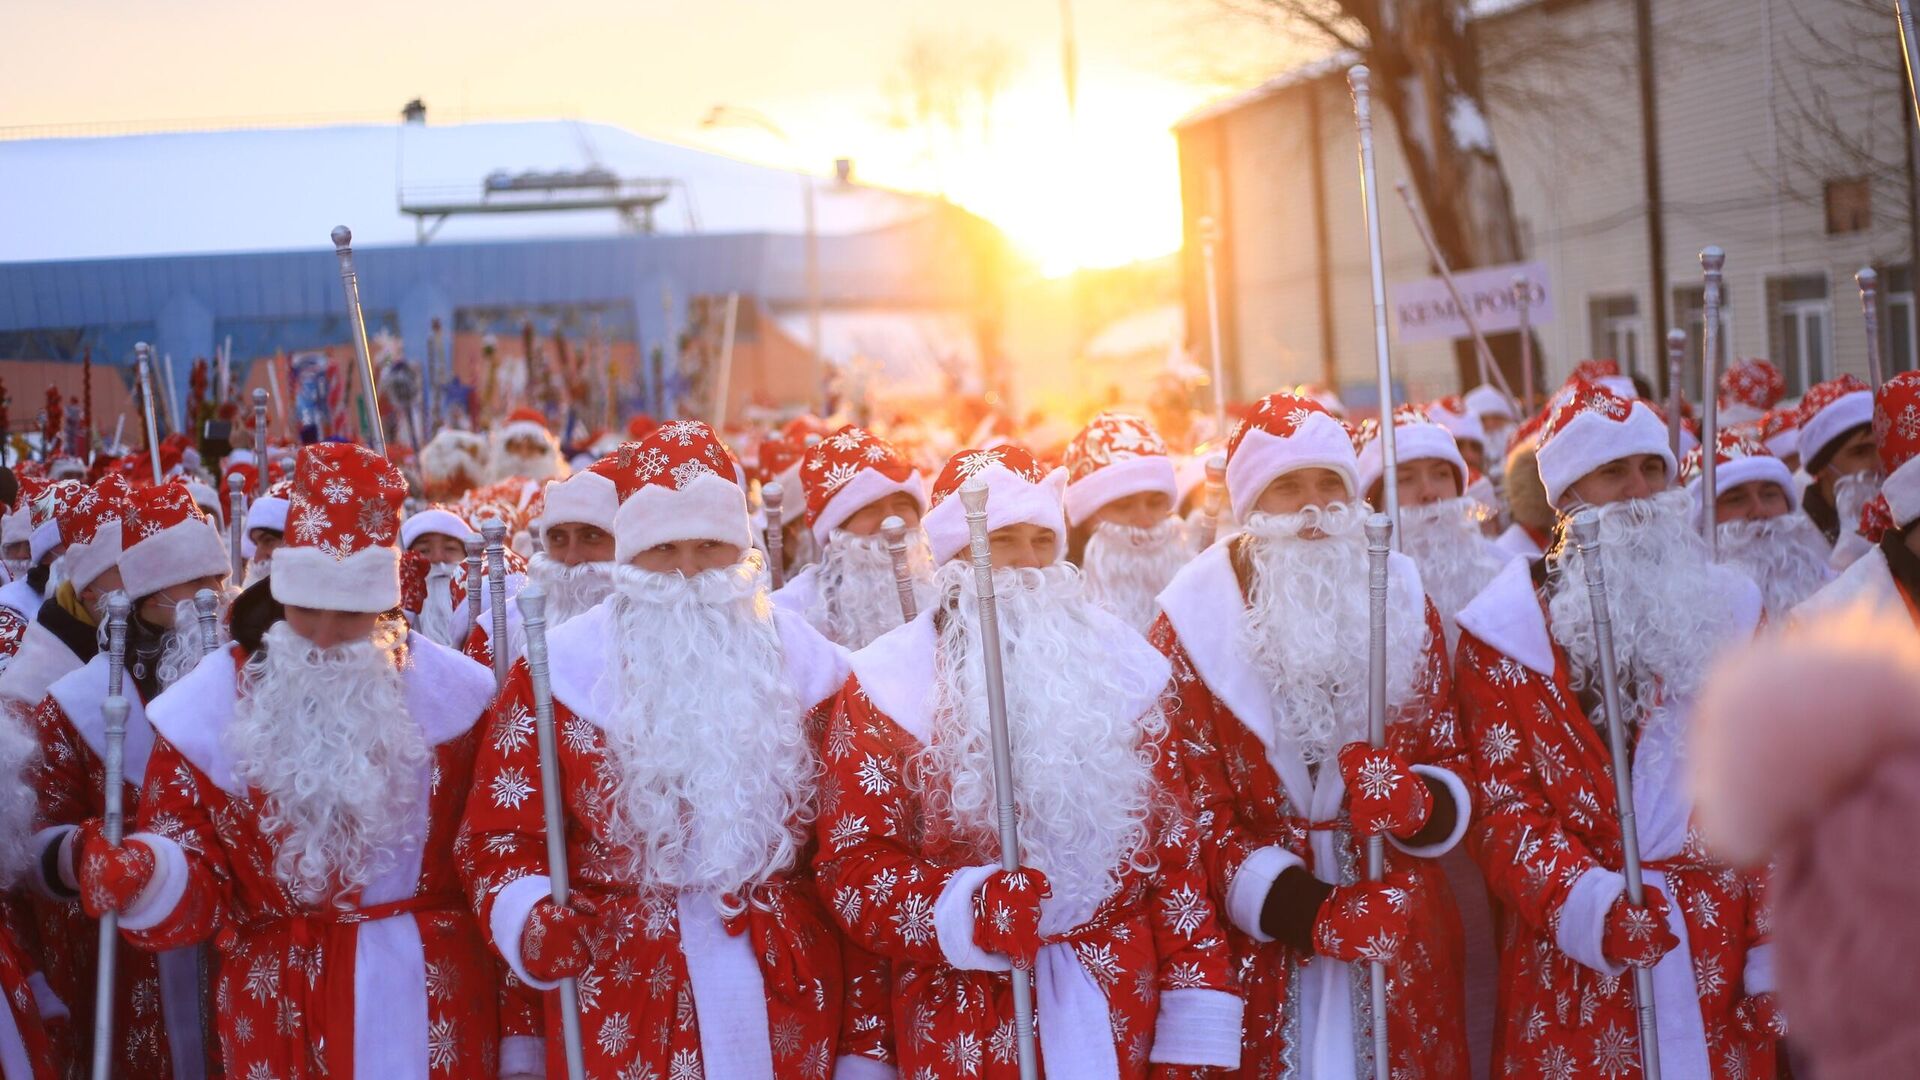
(772, 499)
(894, 530)
(357, 324)
(494, 532)
(1868, 279)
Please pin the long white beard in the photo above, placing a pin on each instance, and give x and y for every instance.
(434, 621)
(712, 773)
(1454, 557)
(857, 600)
(571, 590)
(18, 797)
(1126, 567)
(1307, 629)
(1851, 494)
(1082, 758)
(324, 735)
(184, 645)
(1669, 605)
(1786, 556)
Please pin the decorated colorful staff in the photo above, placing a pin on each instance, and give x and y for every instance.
(1490, 372)
(206, 608)
(973, 496)
(1523, 303)
(533, 618)
(1379, 530)
(260, 441)
(1676, 386)
(356, 322)
(1360, 80)
(143, 371)
(771, 497)
(895, 531)
(1586, 535)
(114, 712)
(237, 524)
(495, 532)
(1869, 281)
(1212, 500)
(475, 550)
(1712, 261)
(1209, 246)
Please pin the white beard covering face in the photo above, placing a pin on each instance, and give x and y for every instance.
(571, 590)
(184, 645)
(1669, 604)
(434, 621)
(325, 737)
(1126, 567)
(857, 600)
(18, 798)
(1082, 759)
(1851, 494)
(1455, 559)
(712, 773)
(1786, 556)
(1307, 627)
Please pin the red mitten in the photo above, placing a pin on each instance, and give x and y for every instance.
(1368, 920)
(111, 878)
(1760, 1017)
(1638, 936)
(558, 942)
(1006, 914)
(1383, 794)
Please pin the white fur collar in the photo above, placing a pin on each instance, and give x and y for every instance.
(800, 591)
(19, 596)
(446, 694)
(42, 659)
(80, 694)
(577, 654)
(1869, 580)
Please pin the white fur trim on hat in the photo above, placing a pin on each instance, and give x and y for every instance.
(1320, 442)
(43, 540)
(17, 527)
(1902, 489)
(1728, 475)
(367, 581)
(1590, 440)
(867, 487)
(84, 562)
(1485, 400)
(1621, 385)
(1413, 442)
(268, 512)
(1465, 425)
(710, 507)
(1128, 476)
(1011, 500)
(585, 498)
(191, 549)
(1785, 444)
(793, 498)
(1847, 412)
(433, 520)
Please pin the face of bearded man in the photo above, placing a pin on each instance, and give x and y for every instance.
(713, 773)
(1126, 567)
(324, 737)
(571, 590)
(1455, 559)
(1786, 556)
(1082, 759)
(1307, 626)
(857, 600)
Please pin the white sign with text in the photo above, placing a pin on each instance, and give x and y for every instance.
(1424, 310)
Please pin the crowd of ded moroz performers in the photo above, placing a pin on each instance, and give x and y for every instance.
(780, 808)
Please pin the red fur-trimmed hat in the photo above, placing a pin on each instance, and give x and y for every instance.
(588, 497)
(1896, 424)
(1780, 430)
(851, 469)
(90, 524)
(1020, 491)
(1451, 412)
(1415, 437)
(1592, 427)
(678, 483)
(166, 539)
(1605, 372)
(1742, 458)
(1284, 434)
(1828, 411)
(1116, 455)
(1749, 388)
(342, 549)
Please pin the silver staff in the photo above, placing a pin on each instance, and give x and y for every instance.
(973, 496)
(206, 608)
(143, 367)
(495, 533)
(114, 712)
(1213, 499)
(356, 321)
(1586, 534)
(771, 497)
(1523, 303)
(1676, 386)
(476, 547)
(1360, 80)
(237, 524)
(1712, 262)
(1209, 245)
(1379, 530)
(1909, 50)
(895, 531)
(260, 440)
(1869, 281)
(533, 618)
(1490, 372)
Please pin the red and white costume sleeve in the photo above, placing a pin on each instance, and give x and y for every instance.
(1548, 839)
(1263, 811)
(37, 1037)
(396, 983)
(680, 989)
(1140, 985)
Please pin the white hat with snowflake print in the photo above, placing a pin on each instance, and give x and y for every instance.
(1284, 434)
(342, 548)
(1020, 491)
(850, 469)
(678, 483)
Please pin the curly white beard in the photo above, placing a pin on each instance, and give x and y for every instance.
(1670, 607)
(434, 620)
(1454, 557)
(1307, 629)
(1126, 567)
(324, 735)
(712, 774)
(571, 590)
(1082, 762)
(1851, 494)
(1786, 556)
(185, 644)
(857, 600)
(18, 798)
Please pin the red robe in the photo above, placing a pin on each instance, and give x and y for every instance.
(34, 1042)
(1264, 811)
(1547, 836)
(13, 629)
(682, 990)
(1139, 985)
(395, 984)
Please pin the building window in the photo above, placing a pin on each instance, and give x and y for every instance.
(1614, 331)
(1849, 206)
(1802, 322)
(1897, 325)
(1687, 312)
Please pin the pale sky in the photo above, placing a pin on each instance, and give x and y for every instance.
(1101, 193)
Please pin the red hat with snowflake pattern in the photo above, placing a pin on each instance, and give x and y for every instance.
(1115, 456)
(165, 539)
(678, 483)
(850, 469)
(90, 525)
(1830, 410)
(1742, 459)
(1748, 389)
(342, 548)
(1594, 426)
(1284, 434)
(1020, 491)
(1896, 423)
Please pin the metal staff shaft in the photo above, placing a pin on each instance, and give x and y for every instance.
(237, 524)
(973, 496)
(895, 532)
(143, 368)
(1909, 50)
(1712, 262)
(1490, 372)
(260, 441)
(114, 712)
(476, 548)
(772, 496)
(356, 322)
(206, 608)
(1379, 530)
(1523, 303)
(1869, 281)
(533, 619)
(1213, 500)
(1209, 247)
(494, 531)
(1586, 535)
(1676, 386)
(1360, 80)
